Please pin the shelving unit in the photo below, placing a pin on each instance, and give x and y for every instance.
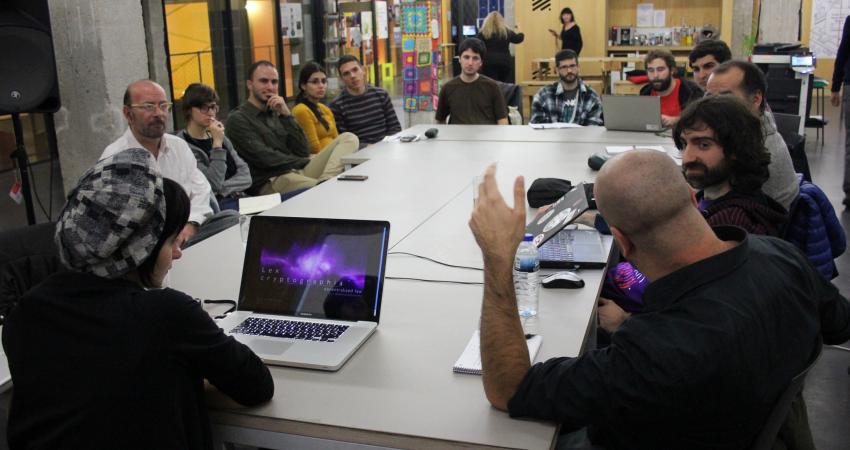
(333, 27)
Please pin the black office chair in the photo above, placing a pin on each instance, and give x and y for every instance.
(781, 409)
(27, 256)
(788, 126)
(512, 94)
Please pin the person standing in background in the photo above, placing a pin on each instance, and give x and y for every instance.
(570, 35)
(839, 77)
(499, 64)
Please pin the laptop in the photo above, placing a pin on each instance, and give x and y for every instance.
(632, 112)
(566, 249)
(311, 289)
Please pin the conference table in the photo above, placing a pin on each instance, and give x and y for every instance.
(398, 390)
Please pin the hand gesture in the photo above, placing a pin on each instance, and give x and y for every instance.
(278, 104)
(554, 33)
(498, 228)
(216, 130)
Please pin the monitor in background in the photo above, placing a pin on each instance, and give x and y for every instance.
(469, 30)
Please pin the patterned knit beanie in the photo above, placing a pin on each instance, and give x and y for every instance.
(113, 218)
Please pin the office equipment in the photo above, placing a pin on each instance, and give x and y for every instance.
(632, 112)
(563, 280)
(311, 289)
(574, 248)
(562, 213)
(470, 360)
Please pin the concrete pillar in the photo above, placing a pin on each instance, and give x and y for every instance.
(100, 48)
(742, 24)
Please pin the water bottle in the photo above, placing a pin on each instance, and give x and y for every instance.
(526, 271)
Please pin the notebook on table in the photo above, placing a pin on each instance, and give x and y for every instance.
(632, 112)
(470, 360)
(311, 289)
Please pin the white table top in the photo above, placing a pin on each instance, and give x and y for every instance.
(398, 389)
(524, 133)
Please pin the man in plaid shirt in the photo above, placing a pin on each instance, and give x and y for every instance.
(569, 100)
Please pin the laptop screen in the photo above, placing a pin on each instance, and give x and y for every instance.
(319, 268)
(560, 214)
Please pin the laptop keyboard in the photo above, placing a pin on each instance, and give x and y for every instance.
(558, 248)
(291, 329)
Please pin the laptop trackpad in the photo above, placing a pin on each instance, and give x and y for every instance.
(269, 347)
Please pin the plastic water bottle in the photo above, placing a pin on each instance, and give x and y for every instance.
(526, 283)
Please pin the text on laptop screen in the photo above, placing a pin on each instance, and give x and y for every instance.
(319, 268)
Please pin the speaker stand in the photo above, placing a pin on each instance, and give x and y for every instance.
(20, 154)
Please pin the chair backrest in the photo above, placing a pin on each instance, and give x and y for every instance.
(27, 256)
(512, 94)
(768, 433)
(787, 123)
(788, 126)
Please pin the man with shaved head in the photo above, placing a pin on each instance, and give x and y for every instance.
(730, 319)
(146, 109)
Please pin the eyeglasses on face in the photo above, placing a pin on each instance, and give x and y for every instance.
(209, 108)
(153, 107)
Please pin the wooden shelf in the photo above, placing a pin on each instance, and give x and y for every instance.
(646, 48)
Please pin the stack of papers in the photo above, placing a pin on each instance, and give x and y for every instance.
(614, 149)
(258, 204)
(546, 126)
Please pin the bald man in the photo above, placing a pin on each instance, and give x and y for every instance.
(146, 109)
(730, 319)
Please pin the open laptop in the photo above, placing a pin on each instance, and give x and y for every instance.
(311, 289)
(632, 112)
(560, 248)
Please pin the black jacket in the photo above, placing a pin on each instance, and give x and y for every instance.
(105, 364)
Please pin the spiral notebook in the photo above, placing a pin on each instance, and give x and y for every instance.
(470, 360)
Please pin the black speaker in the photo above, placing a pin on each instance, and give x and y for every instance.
(28, 66)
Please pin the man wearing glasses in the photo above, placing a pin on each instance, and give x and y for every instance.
(569, 100)
(146, 109)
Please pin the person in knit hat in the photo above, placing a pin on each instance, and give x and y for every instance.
(101, 355)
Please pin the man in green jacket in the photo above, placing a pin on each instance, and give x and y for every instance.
(267, 137)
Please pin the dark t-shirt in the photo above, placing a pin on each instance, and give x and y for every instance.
(105, 364)
(477, 103)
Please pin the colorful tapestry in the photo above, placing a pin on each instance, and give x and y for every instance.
(420, 55)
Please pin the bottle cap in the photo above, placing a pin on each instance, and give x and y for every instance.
(528, 237)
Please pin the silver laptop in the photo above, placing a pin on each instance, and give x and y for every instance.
(632, 112)
(311, 289)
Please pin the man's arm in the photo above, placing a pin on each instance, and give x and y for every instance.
(539, 111)
(498, 230)
(594, 110)
(442, 106)
(393, 125)
(339, 117)
(255, 152)
(841, 56)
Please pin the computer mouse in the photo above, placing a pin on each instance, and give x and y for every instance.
(563, 280)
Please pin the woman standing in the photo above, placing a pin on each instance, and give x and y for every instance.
(120, 362)
(570, 35)
(498, 64)
(315, 118)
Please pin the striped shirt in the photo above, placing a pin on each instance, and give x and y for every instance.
(370, 115)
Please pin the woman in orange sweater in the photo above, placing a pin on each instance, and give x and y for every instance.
(315, 118)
